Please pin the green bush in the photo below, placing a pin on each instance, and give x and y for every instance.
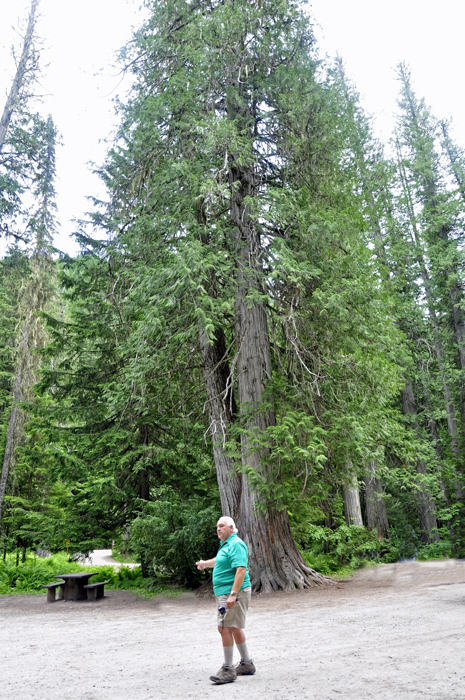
(126, 578)
(171, 534)
(435, 550)
(344, 549)
(347, 548)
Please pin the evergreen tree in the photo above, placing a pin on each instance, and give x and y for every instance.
(19, 136)
(398, 271)
(434, 219)
(35, 298)
(222, 182)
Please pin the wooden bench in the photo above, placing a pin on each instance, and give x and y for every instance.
(95, 590)
(51, 591)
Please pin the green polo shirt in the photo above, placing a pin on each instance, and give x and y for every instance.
(231, 554)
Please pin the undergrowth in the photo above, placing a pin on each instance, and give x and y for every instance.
(35, 572)
(335, 553)
(342, 551)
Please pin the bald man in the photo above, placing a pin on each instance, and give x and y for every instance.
(231, 585)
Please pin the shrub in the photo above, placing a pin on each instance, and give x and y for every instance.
(344, 549)
(171, 534)
(435, 550)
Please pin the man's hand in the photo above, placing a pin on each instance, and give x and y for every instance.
(237, 585)
(205, 564)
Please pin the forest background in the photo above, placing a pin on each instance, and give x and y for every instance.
(266, 317)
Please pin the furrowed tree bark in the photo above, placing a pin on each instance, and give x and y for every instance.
(220, 404)
(20, 75)
(376, 507)
(352, 508)
(275, 562)
(220, 399)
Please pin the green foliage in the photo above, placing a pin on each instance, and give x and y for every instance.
(109, 450)
(435, 550)
(171, 534)
(35, 572)
(25, 475)
(14, 268)
(131, 579)
(344, 549)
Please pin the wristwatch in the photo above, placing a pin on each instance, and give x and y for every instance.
(233, 593)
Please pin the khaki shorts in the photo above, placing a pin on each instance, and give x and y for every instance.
(235, 617)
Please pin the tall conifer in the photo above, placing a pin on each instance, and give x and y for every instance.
(229, 181)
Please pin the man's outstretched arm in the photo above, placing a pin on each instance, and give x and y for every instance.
(208, 564)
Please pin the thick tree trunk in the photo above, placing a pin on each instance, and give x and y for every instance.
(274, 561)
(425, 503)
(352, 508)
(20, 75)
(220, 405)
(144, 485)
(426, 514)
(376, 507)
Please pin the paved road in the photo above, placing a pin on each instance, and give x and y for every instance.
(102, 557)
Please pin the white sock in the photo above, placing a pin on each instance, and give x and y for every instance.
(228, 655)
(244, 652)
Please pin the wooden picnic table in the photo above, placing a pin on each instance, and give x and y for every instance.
(74, 584)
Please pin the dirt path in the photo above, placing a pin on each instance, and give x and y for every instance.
(393, 632)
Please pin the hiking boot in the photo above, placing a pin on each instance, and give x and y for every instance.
(226, 674)
(245, 668)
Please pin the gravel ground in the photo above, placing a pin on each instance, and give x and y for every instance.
(393, 631)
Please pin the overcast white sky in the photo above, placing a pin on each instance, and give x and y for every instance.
(81, 39)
